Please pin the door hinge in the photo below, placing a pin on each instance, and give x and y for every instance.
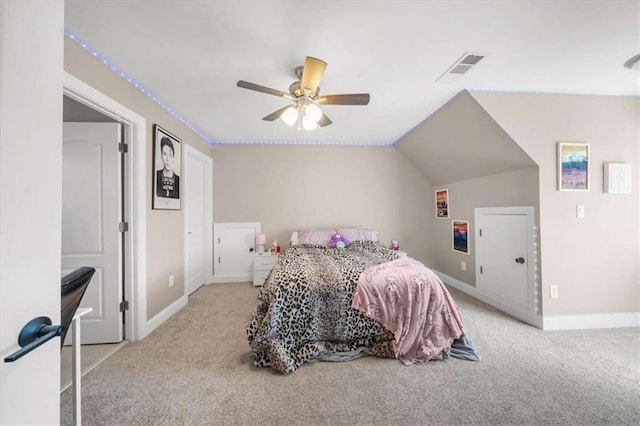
(481, 269)
(123, 226)
(481, 232)
(124, 305)
(123, 148)
(218, 240)
(218, 259)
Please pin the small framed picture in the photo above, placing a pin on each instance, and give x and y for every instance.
(442, 204)
(167, 156)
(460, 236)
(573, 166)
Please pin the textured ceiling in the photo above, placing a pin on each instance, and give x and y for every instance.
(190, 54)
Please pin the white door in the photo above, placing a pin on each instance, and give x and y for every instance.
(91, 207)
(30, 159)
(504, 257)
(194, 175)
(234, 251)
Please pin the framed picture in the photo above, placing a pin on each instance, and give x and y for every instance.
(167, 157)
(573, 166)
(460, 236)
(442, 204)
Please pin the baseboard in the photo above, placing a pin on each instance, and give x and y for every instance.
(591, 321)
(535, 321)
(164, 315)
(218, 279)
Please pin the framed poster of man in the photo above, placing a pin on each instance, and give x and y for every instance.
(167, 150)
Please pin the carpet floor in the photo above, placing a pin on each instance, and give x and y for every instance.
(196, 369)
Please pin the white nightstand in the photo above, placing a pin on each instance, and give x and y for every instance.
(262, 265)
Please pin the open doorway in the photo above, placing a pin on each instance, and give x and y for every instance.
(82, 103)
(93, 182)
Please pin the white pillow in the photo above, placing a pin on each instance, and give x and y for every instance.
(359, 234)
(320, 236)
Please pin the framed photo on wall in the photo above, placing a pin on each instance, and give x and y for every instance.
(460, 236)
(573, 166)
(442, 203)
(167, 160)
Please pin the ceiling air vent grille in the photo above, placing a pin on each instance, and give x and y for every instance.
(461, 66)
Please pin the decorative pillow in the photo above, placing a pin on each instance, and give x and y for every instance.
(359, 233)
(338, 241)
(315, 236)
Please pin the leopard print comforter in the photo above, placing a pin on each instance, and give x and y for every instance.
(304, 310)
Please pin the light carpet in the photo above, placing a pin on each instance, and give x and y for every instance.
(196, 369)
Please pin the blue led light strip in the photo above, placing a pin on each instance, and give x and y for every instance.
(140, 88)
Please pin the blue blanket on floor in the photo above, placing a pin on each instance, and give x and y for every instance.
(464, 348)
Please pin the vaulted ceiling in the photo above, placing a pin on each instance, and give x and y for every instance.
(191, 54)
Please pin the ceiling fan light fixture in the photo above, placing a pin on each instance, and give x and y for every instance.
(308, 123)
(289, 116)
(313, 112)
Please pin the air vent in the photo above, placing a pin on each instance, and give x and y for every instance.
(461, 66)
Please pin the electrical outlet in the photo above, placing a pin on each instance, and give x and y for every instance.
(580, 211)
(171, 280)
(463, 265)
(553, 291)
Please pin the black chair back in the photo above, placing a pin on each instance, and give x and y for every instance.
(74, 284)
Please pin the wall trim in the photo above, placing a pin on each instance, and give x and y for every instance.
(165, 314)
(591, 321)
(535, 321)
(135, 133)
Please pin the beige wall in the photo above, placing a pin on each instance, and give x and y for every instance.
(593, 260)
(165, 242)
(288, 187)
(460, 142)
(518, 188)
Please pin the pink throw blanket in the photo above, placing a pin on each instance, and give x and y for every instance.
(412, 302)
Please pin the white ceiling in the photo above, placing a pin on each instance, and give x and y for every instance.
(191, 54)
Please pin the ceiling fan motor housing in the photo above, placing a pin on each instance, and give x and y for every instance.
(296, 89)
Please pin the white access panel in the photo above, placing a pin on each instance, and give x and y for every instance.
(504, 258)
(507, 259)
(234, 250)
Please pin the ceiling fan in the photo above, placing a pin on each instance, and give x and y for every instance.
(305, 112)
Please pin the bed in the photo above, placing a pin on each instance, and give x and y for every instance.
(312, 307)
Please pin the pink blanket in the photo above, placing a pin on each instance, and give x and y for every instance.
(413, 303)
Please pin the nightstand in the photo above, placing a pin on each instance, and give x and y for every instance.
(401, 254)
(262, 265)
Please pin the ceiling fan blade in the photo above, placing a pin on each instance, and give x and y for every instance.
(324, 121)
(312, 74)
(263, 89)
(275, 115)
(349, 99)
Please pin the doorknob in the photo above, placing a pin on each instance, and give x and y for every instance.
(251, 249)
(520, 260)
